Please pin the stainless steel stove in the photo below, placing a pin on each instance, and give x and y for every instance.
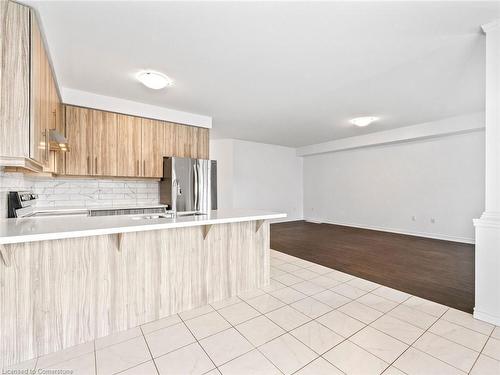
(22, 204)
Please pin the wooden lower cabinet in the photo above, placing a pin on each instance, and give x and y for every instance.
(129, 144)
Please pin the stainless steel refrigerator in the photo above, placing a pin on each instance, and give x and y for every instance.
(189, 185)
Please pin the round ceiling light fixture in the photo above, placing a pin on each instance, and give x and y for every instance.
(363, 121)
(154, 80)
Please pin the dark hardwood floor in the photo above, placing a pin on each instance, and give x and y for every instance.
(441, 271)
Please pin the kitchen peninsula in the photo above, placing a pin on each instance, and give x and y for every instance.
(66, 280)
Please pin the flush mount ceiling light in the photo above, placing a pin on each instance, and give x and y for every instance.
(154, 80)
(363, 121)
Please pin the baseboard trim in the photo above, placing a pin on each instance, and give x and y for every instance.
(435, 236)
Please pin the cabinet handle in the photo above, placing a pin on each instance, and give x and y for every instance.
(95, 166)
(144, 167)
(88, 164)
(137, 171)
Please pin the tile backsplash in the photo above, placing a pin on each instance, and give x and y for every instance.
(88, 192)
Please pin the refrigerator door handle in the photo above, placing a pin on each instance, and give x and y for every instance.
(196, 185)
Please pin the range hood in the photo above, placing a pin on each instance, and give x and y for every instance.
(57, 141)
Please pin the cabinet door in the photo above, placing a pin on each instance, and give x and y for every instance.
(203, 143)
(129, 146)
(184, 141)
(14, 79)
(57, 123)
(191, 142)
(40, 92)
(168, 139)
(153, 136)
(104, 143)
(79, 135)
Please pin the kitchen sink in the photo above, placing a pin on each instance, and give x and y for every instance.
(190, 213)
(150, 217)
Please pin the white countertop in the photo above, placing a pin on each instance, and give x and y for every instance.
(58, 227)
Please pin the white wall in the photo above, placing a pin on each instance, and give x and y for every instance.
(257, 175)
(222, 150)
(383, 187)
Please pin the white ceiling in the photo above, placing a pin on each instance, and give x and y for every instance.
(276, 72)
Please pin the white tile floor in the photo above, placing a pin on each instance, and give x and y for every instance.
(310, 320)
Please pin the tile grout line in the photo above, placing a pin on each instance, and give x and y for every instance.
(264, 314)
(198, 342)
(251, 344)
(369, 325)
(67, 359)
(462, 326)
(415, 348)
(481, 352)
(149, 350)
(130, 368)
(309, 321)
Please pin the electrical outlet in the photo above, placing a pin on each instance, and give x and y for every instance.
(433, 220)
(414, 218)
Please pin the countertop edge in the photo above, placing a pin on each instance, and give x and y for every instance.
(10, 240)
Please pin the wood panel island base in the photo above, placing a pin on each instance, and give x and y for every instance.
(58, 293)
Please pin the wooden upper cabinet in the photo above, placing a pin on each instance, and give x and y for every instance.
(109, 144)
(203, 143)
(169, 139)
(38, 126)
(79, 135)
(14, 79)
(57, 122)
(44, 101)
(29, 99)
(153, 146)
(104, 143)
(183, 141)
(129, 144)
(191, 142)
